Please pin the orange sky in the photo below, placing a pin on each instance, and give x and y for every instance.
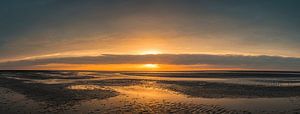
(128, 67)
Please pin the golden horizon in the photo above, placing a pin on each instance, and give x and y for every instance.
(127, 67)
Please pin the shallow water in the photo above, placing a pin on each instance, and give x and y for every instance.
(117, 92)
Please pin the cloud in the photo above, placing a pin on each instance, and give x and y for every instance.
(237, 61)
(55, 26)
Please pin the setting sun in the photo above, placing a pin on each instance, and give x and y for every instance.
(151, 66)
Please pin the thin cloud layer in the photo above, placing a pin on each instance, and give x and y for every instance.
(237, 61)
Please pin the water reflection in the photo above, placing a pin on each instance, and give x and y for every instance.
(153, 97)
(148, 90)
(86, 87)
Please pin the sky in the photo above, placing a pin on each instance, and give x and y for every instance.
(150, 34)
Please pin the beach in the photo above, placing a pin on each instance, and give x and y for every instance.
(149, 92)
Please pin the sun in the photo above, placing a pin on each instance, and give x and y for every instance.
(151, 52)
(150, 66)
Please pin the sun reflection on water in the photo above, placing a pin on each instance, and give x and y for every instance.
(86, 87)
(149, 90)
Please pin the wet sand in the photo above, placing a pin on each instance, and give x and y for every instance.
(128, 92)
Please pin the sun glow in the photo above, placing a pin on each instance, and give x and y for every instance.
(151, 66)
(153, 52)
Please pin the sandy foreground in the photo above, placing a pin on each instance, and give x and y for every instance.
(115, 92)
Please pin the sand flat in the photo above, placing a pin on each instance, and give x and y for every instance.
(111, 92)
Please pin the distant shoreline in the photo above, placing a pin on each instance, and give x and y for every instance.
(206, 71)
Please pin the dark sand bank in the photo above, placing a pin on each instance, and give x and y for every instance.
(221, 90)
(53, 95)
